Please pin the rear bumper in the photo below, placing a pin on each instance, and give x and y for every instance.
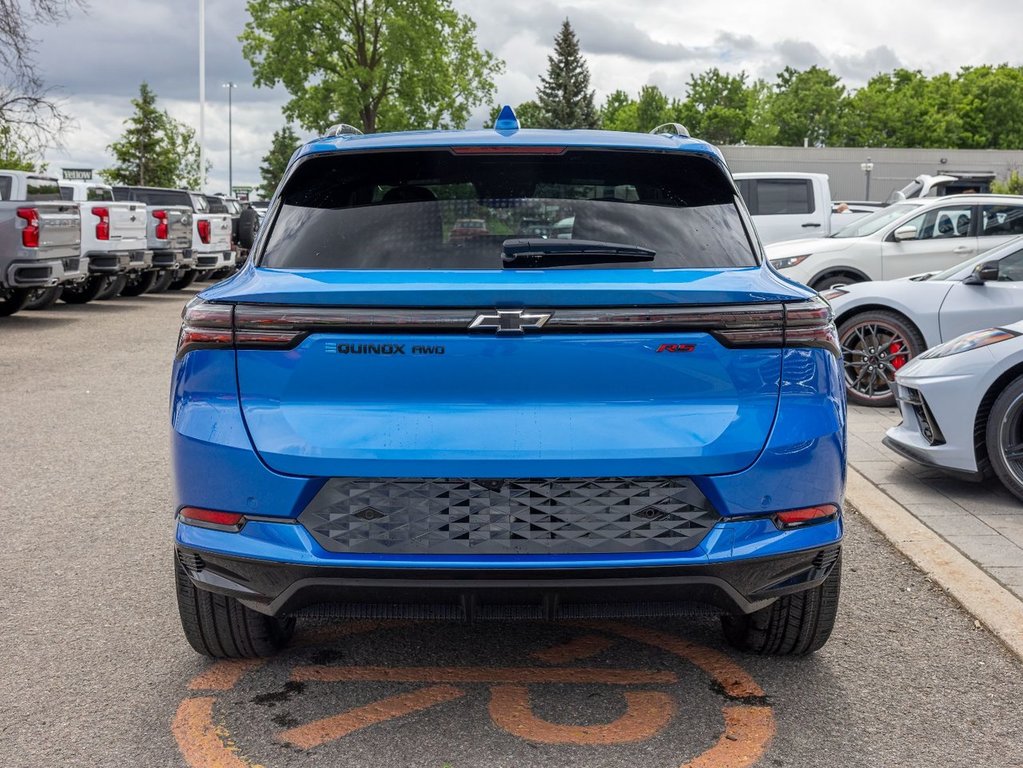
(109, 263)
(214, 260)
(738, 586)
(46, 272)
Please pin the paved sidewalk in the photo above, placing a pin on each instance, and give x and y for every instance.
(981, 520)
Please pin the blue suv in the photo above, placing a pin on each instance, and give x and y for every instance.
(597, 400)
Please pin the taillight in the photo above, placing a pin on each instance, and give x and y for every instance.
(103, 225)
(209, 518)
(162, 230)
(204, 230)
(811, 324)
(205, 326)
(797, 518)
(210, 326)
(30, 234)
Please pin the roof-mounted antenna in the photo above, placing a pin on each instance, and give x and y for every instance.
(507, 121)
(343, 129)
(671, 129)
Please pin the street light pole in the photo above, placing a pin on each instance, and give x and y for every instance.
(230, 158)
(202, 95)
(867, 167)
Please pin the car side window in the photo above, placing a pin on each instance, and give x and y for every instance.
(5, 187)
(783, 196)
(1010, 269)
(942, 223)
(1001, 220)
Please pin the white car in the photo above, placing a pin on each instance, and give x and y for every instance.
(883, 325)
(962, 407)
(903, 239)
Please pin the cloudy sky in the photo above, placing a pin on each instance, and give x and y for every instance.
(98, 57)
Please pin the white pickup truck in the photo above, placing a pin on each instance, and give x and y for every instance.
(113, 239)
(791, 206)
(39, 239)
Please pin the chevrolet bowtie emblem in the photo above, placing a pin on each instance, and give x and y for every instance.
(507, 322)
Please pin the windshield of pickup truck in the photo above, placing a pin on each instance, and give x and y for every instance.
(876, 221)
(454, 209)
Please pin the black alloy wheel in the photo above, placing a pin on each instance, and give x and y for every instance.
(875, 345)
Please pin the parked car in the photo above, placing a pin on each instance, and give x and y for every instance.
(168, 232)
(211, 232)
(223, 206)
(790, 206)
(514, 427)
(883, 325)
(40, 239)
(962, 407)
(467, 229)
(113, 240)
(901, 240)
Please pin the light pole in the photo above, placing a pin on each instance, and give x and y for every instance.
(867, 167)
(230, 163)
(202, 94)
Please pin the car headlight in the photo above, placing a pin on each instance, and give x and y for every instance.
(969, 341)
(789, 261)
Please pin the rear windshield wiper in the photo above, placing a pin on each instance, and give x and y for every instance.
(534, 251)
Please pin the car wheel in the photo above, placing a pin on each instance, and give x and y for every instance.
(12, 299)
(183, 280)
(875, 345)
(112, 287)
(164, 279)
(42, 298)
(222, 628)
(138, 283)
(834, 281)
(83, 292)
(793, 625)
(1004, 437)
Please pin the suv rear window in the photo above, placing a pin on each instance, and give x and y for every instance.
(444, 209)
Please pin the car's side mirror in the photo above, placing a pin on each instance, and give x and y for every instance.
(905, 233)
(982, 273)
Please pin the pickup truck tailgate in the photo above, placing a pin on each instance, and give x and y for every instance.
(59, 230)
(127, 224)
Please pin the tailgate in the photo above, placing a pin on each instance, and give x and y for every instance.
(220, 233)
(179, 226)
(59, 229)
(582, 391)
(127, 225)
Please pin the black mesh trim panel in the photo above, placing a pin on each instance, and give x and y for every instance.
(524, 516)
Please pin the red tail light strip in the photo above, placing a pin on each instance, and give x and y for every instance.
(806, 324)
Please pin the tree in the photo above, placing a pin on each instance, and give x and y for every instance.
(381, 64)
(808, 105)
(275, 162)
(718, 107)
(155, 149)
(15, 154)
(29, 112)
(564, 94)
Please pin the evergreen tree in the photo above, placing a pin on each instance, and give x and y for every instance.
(564, 95)
(155, 150)
(275, 162)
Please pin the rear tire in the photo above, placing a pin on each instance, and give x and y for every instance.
(112, 289)
(138, 283)
(83, 292)
(12, 299)
(183, 280)
(222, 628)
(42, 298)
(793, 625)
(163, 281)
(875, 345)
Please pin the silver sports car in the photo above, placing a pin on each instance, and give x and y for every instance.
(962, 406)
(883, 325)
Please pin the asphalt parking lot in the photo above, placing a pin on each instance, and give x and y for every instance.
(95, 671)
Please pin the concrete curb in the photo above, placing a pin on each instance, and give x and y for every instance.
(989, 602)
